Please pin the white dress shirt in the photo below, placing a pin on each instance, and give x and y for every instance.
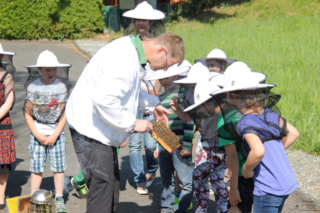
(104, 102)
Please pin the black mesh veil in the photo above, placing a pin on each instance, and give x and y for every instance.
(7, 64)
(156, 29)
(253, 111)
(6, 88)
(45, 102)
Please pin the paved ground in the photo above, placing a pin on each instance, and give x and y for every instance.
(19, 179)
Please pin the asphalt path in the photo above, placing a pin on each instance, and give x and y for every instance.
(19, 179)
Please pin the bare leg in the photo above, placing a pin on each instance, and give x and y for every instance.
(36, 179)
(59, 182)
(3, 185)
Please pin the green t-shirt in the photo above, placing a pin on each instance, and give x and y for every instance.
(225, 138)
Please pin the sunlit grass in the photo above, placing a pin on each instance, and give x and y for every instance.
(286, 48)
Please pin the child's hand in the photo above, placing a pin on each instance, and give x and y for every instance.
(42, 138)
(234, 209)
(174, 103)
(185, 152)
(247, 174)
(234, 197)
(156, 153)
(51, 140)
(124, 144)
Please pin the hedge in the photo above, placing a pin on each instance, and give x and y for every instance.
(35, 19)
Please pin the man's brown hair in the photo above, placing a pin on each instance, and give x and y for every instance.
(173, 44)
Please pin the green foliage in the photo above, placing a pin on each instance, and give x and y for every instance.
(60, 19)
(284, 47)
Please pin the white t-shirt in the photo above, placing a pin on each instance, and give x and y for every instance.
(148, 84)
(46, 101)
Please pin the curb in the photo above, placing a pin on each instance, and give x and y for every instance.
(83, 53)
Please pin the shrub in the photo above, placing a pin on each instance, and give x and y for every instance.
(34, 19)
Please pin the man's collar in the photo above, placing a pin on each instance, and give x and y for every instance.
(136, 41)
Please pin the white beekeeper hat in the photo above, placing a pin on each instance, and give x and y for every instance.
(144, 11)
(2, 52)
(48, 59)
(202, 92)
(242, 80)
(216, 54)
(196, 73)
(236, 67)
(172, 71)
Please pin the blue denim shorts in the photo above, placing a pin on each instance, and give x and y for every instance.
(57, 155)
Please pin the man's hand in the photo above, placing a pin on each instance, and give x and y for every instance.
(42, 138)
(246, 173)
(174, 104)
(234, 197)
(156, 153)
(51, 140)
(185, 152)
(161, 114)
(143, 126)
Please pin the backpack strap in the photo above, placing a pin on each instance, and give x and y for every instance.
(4, 77)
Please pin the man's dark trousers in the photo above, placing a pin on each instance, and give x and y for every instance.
(100, 167)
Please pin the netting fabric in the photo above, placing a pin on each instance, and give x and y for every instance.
(156, 29)
(45, 102)
(7, 64)
(6, 87)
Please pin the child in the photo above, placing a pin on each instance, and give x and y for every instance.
(181, 159)
(7, 145)
(44, 113)
(6, 59)
(266, 136)
(216, 61)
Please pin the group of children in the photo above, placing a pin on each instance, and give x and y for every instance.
(240, 128)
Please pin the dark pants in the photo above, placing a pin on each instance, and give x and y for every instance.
(245, 187)
(99, 164)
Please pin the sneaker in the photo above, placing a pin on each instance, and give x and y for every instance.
(176, 204)
(2, 206)
(81, 190)
(59, 205)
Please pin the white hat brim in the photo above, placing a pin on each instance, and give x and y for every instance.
(185, 81)
(166, 74)
(196, 104)
(235, 88)
(262, 77)
(7, 53)
(157, 15)
(59, 65)
(228, 60)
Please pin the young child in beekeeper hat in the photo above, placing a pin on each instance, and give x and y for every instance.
(44, 113)
(6, 59)
(216, 61)
(265, 136)
(181, 159)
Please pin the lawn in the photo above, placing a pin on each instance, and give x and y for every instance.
(279, 38)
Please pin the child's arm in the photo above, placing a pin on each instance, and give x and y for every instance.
(174, 104)
(291, 137)
(233, 166)
(255, 155)
(4, 109)
(62, 122)
(30, 122)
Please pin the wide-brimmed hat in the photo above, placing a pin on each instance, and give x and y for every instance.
(196, 73)
(172, 71)
(202, 92)
(236, 67)
(216, 54)
(144, 11)
(243, 80)
(2, 52)
(48, 59)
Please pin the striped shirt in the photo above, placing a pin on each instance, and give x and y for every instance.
(183, 129)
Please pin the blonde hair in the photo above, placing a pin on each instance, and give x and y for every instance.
(173, 44)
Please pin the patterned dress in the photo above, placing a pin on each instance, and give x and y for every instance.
(7, 145)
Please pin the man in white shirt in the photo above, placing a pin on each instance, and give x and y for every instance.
(101, 110)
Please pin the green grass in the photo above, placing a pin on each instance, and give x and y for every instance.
(285, 47)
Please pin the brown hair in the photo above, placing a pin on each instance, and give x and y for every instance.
(173, 44)
(251, 99)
